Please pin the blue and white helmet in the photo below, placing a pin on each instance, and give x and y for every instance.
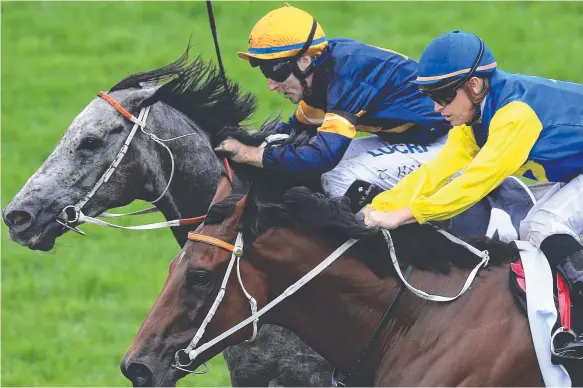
(453, 56)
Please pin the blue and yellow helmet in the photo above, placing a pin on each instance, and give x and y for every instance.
(452, 56)
(282, 33)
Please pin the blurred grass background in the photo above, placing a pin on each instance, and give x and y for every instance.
(69, 315)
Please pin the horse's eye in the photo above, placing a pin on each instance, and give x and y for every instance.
(118, 129)
(90, 143)
(199, 277)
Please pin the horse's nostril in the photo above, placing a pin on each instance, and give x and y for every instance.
(139, 374)
(18, 218)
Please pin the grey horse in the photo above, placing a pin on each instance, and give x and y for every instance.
(188, 102)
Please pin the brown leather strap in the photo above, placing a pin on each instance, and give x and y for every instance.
(192, 236)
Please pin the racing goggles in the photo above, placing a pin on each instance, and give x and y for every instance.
(445, 94)
(278, 70)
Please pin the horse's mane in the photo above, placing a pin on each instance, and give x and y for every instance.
(222, 209)
(196, 88)
(331, 219)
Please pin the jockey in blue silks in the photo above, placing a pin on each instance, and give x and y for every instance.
(504, 124)
(341, 86)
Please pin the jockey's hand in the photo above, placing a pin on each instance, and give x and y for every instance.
(387, 220)
(241, 153)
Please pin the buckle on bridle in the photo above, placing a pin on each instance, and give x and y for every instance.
(69, 215)
(180, 366)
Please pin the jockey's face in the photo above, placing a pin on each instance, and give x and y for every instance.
(291, 88)
(461, 109)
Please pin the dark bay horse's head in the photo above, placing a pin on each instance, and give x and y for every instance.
(193, 282)
(190, 101)
(197, 272)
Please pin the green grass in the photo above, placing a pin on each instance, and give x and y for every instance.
(68, 316)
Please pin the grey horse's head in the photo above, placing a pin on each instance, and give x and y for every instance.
(82, 155)
(191, 98)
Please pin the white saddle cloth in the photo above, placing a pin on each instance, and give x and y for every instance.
(542, 314)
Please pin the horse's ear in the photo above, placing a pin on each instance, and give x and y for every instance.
(224, 189)
(147, 84)
(138, 96)
(240, 208)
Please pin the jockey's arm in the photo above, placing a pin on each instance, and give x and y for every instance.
(323, 152)
(513, 132)
(457, 153)
(346, 98)
(305, 118)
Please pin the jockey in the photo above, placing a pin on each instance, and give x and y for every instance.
(340, 86)
(504, 124)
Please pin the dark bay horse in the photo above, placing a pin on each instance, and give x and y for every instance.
(187, 101)
(480, 339)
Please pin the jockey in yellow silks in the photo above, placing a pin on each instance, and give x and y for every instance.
(341, 86)
(504, 124)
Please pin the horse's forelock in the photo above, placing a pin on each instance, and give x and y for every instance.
(222, 209)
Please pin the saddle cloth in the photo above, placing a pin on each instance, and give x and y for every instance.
(531, 280)
(498, 215)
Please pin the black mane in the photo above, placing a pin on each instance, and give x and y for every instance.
(222, 209)
(196, 88)
(419, 245)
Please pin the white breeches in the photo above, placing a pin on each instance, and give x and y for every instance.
(374, 161)
(560, 211)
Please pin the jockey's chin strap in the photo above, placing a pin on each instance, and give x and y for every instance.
(300, 74)
(185, 357)
(72, 215)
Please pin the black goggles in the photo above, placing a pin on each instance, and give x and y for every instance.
(445, 94)
(277, 70)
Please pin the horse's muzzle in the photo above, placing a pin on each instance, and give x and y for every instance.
(139, 374)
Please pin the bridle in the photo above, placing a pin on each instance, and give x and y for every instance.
(191, 351)
(73, 214)
(237, 253)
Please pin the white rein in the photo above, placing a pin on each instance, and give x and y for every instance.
(192, 351)
(72, 214)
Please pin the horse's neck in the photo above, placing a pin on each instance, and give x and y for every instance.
(337, 314)
(197, 168)
(337, 311)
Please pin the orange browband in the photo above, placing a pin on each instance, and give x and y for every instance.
(116, 105)
(210, 240)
